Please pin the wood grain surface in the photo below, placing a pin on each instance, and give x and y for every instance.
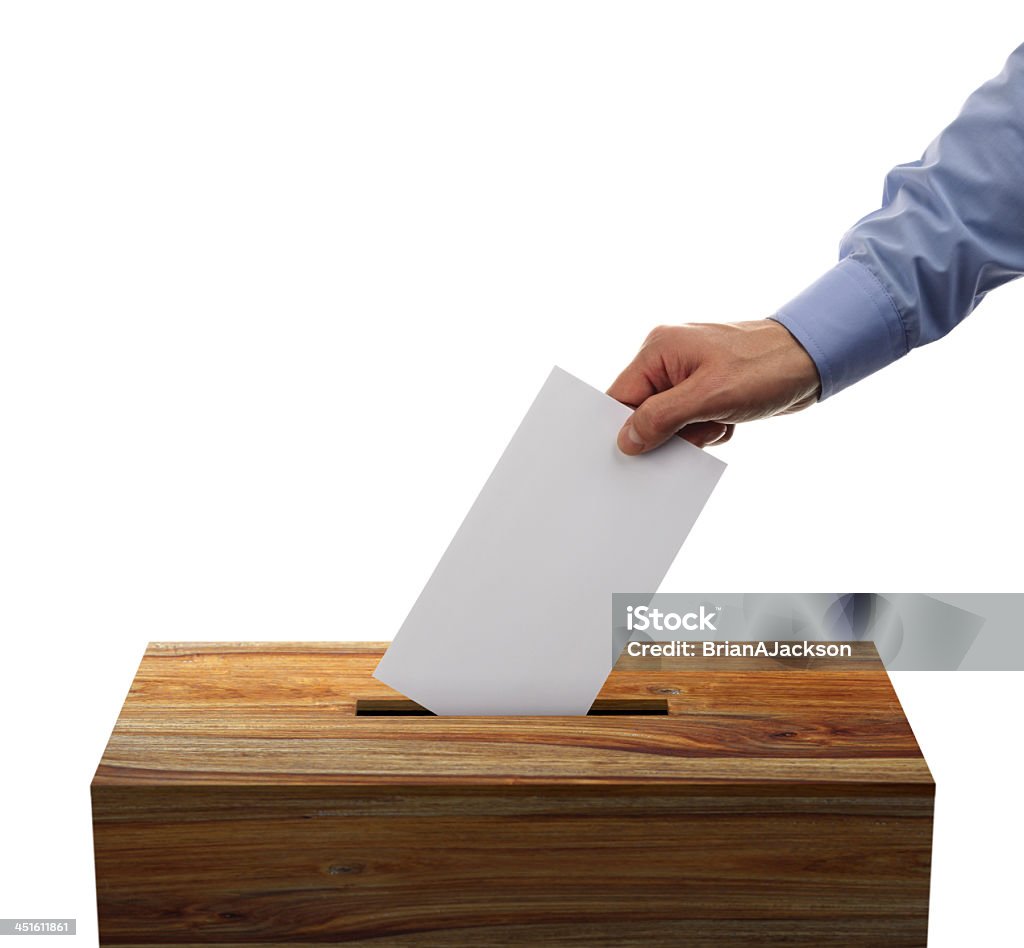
(241, 800)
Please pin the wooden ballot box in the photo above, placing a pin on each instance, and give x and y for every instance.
(277, 794)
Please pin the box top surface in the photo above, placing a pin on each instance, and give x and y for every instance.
(272, 713)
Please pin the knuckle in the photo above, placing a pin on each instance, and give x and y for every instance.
(656, 420)
(660, 333)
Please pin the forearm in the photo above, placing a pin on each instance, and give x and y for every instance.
(951, 228)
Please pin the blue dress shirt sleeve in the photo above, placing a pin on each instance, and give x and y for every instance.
(950, 228)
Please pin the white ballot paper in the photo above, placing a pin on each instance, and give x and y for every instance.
(517, 616)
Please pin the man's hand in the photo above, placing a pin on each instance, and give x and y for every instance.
(701, 379)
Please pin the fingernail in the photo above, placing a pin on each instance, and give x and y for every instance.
(631, 437)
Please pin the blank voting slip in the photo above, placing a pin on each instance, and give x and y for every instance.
(517, 616)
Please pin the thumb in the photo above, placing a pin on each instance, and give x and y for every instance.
(659, 417)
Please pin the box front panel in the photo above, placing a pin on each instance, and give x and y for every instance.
(222, 865)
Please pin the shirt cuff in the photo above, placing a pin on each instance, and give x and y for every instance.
(848, 324)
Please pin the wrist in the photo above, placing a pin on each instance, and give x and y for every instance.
(793, 360)
(848, 323)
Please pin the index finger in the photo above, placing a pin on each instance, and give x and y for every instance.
(633, 385)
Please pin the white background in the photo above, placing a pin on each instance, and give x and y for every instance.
(277, 282)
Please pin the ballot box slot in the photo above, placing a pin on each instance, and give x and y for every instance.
(403, 707)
